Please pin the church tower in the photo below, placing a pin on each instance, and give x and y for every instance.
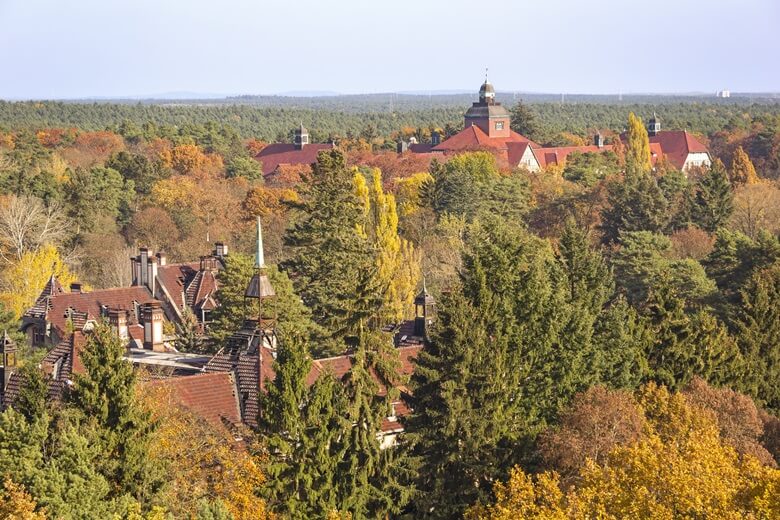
(488, 114)
(260, 297)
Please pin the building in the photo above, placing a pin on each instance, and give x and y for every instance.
(299, 152)
(171, 289)
(486, 128)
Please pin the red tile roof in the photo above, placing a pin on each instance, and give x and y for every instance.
(276, 154)
(212, 396)
(557, 155)
(474, 138)
(89, 305)
(676, 145)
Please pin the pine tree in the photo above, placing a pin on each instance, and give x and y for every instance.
(588, 276)
(105, 394)
(523, 121)
(332, 262)
(714, 200)
(188, 335)
(742, 169)
(33, 393)
(638, 147)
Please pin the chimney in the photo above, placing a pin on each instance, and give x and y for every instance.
(151, 276)
(7, 362)
(143, 259)
(301, 137)
(134, 269)
(598, 140)
(75, 288)
(435, 138)
(118, 320)
(161, 259)
(402, 146)
(153, 326)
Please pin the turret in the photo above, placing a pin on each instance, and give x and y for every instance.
(424, 312)
(301, 137)
(260, 297)
(653, 126)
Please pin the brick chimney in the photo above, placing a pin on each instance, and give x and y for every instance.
(161, 259)
(118, 320)
(153, 318)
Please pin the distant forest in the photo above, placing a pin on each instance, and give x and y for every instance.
(271, 118)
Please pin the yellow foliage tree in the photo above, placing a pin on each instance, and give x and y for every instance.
(24, 280)
(408, 192)
(742, 169)
(203, 460)
(17, 504)
(638, 147)
(679, 469)
(398, 264)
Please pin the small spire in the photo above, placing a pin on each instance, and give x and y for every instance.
(259, 257)
(486, 74)
(425, 289)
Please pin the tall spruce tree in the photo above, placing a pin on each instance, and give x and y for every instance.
(105, 395)
(304, 427)
(757, 329)
(634, 204)
(332, 263)
(713, 201)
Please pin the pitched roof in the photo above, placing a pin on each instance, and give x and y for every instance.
(42, 303)
(286, 153)
(557, 155)
(211, 396)
(62, 362)
(676, 145)
(474, 138)
(83, 306)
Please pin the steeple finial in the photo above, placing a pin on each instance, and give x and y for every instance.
(486, 74)
(259, 257)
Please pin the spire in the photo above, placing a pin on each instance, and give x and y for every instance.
(259, 257)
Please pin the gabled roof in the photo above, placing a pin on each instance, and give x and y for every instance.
(212, 396)
(676, 145)
(62, 362)
(42, 303)
(557, 155)
(286, 153)
(83, 306)
(474, 138)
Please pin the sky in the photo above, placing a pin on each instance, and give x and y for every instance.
(53, 49)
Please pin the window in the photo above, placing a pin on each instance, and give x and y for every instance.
(499, 125)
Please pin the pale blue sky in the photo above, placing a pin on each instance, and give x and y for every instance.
(80, 48)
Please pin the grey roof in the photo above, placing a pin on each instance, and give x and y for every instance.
(259, 287)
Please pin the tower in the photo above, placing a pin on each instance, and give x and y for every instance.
(301, 137)
(653, 126)
(488, 114)
(7, 360)
(424, 312)
(260, 297)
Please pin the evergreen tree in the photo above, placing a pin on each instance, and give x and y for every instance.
(523, 121)
(758, 335)
(372, 480)
(332, 263)
(638, 147)
(304, 431)
(635, 204)
(188, 335)
(714, 200)
(589, 278)
(105, 394)
(33, 393)
(742, 169)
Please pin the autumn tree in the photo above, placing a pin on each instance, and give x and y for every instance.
(397, 264)
(742, 169)
(637, 147)
(27, 224)
(17, 504)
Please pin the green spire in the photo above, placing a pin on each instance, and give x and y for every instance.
(259, 257)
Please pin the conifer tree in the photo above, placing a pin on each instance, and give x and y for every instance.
(105, 394)
(33, 393)
(523, 121)
(635, 204)
(742, 169)
(372, 480)
(713, 202)
(304, 429)
(638, 147)
(332, 262)
(758, 334)
(589, 278)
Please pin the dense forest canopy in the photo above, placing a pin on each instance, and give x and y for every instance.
(272, 118)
